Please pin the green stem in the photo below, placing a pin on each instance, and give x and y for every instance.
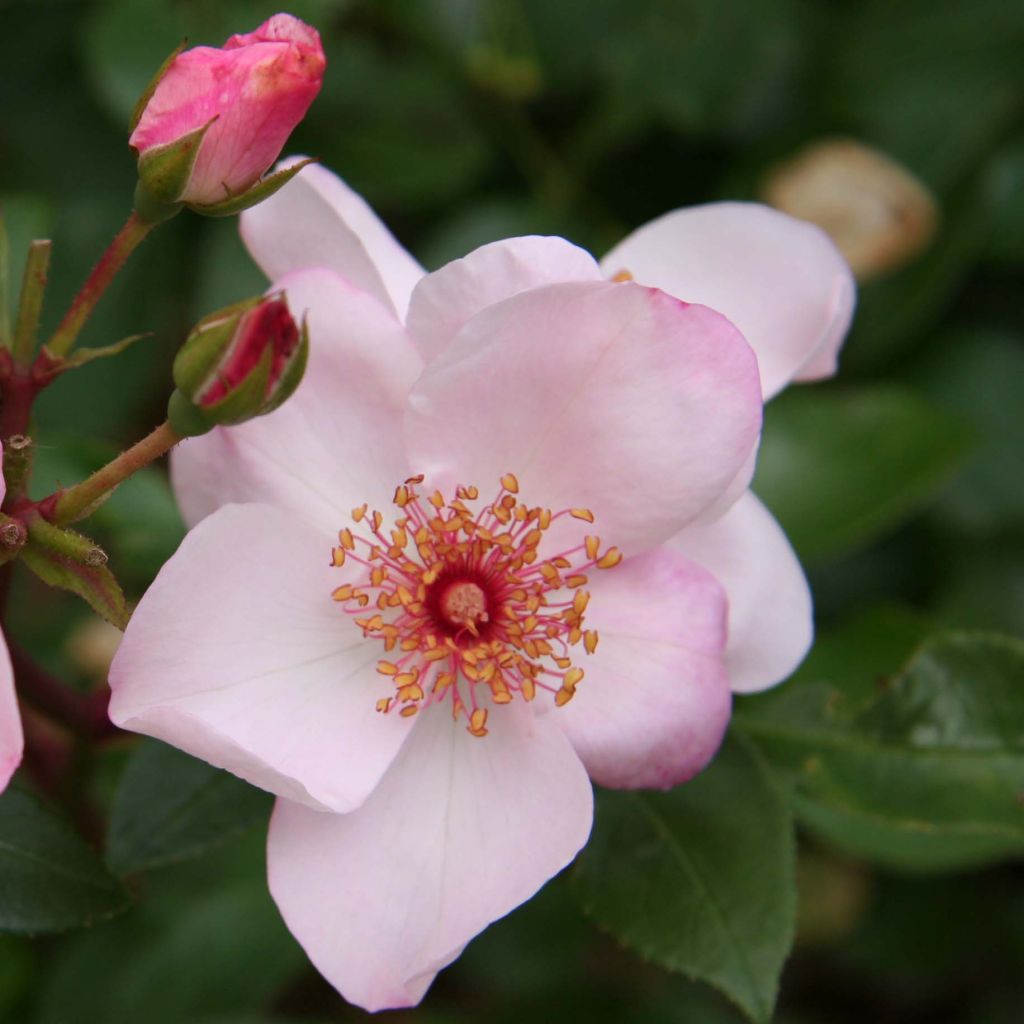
(78, 501)
(65, 542)
(33, 285)
(125, 242)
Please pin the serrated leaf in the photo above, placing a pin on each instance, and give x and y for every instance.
(838, 468)
(50, 879)
(928, 773)
(95, 584)
(699, 879)
(170, 807)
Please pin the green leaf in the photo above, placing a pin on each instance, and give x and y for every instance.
(206, 942)
(839, 468)
(699, 879)
(977, 373)
(50, 879)
(95, 584)
(926, 774)
(170, 807)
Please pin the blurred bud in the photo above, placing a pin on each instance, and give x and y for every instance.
(238, 363)
(91, 647)
(877, 213)
(213, 120)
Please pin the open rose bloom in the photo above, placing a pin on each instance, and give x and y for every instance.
(500, 540)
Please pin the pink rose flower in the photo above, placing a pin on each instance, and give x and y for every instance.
(429, 696)
(252, 93)
(11, 740)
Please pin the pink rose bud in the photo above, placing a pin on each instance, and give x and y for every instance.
(238, 363)
(214, 120)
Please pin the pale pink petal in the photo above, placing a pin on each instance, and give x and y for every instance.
(780, 280)
(336, 442)
(770, 616)
(317, 220)
(443, 301)
(654, 703)
(614, 397)
(238, 655)
(460, 831)
(11, 740)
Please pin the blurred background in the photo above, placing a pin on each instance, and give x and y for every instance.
(897, 126)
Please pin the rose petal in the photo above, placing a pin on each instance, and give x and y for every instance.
(11, 740)
(444, 300)
(780, 280)
(337, 441)
(770, 616)
(317, 220)
(654, 703)
(238, 655)
(610, 396)
(461, 830)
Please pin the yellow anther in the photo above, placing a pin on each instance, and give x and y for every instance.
(563, 696)
(575, 581)
(387, 668)
(478, 722)
(582, 513)
(580, 600)
(609, 559)
(347, 541)
(621, 277)
(402, 496)
(358, 513)
(409, 693)
(592, 545)
(384, 705)
(510, 483)
(409, 710)
(418, 479)
(590, 639)
(572, 677)
(342, 593)
(337, 557)
(435, 654)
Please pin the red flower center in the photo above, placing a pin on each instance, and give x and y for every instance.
(467, 603)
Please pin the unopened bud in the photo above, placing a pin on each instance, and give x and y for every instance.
(877, 213)
(214, 119)
(238, 363)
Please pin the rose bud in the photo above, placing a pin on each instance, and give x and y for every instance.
(238, 363)
(213, 120)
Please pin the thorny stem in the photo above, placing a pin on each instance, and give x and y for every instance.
(77, 501)
(124, 244)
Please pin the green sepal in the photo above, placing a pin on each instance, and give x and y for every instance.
(293, 374)
(186, 419)
(165, 170)
(263, 189)
(147, 94)
(95, 584)
(81, 356)
(205, 346)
